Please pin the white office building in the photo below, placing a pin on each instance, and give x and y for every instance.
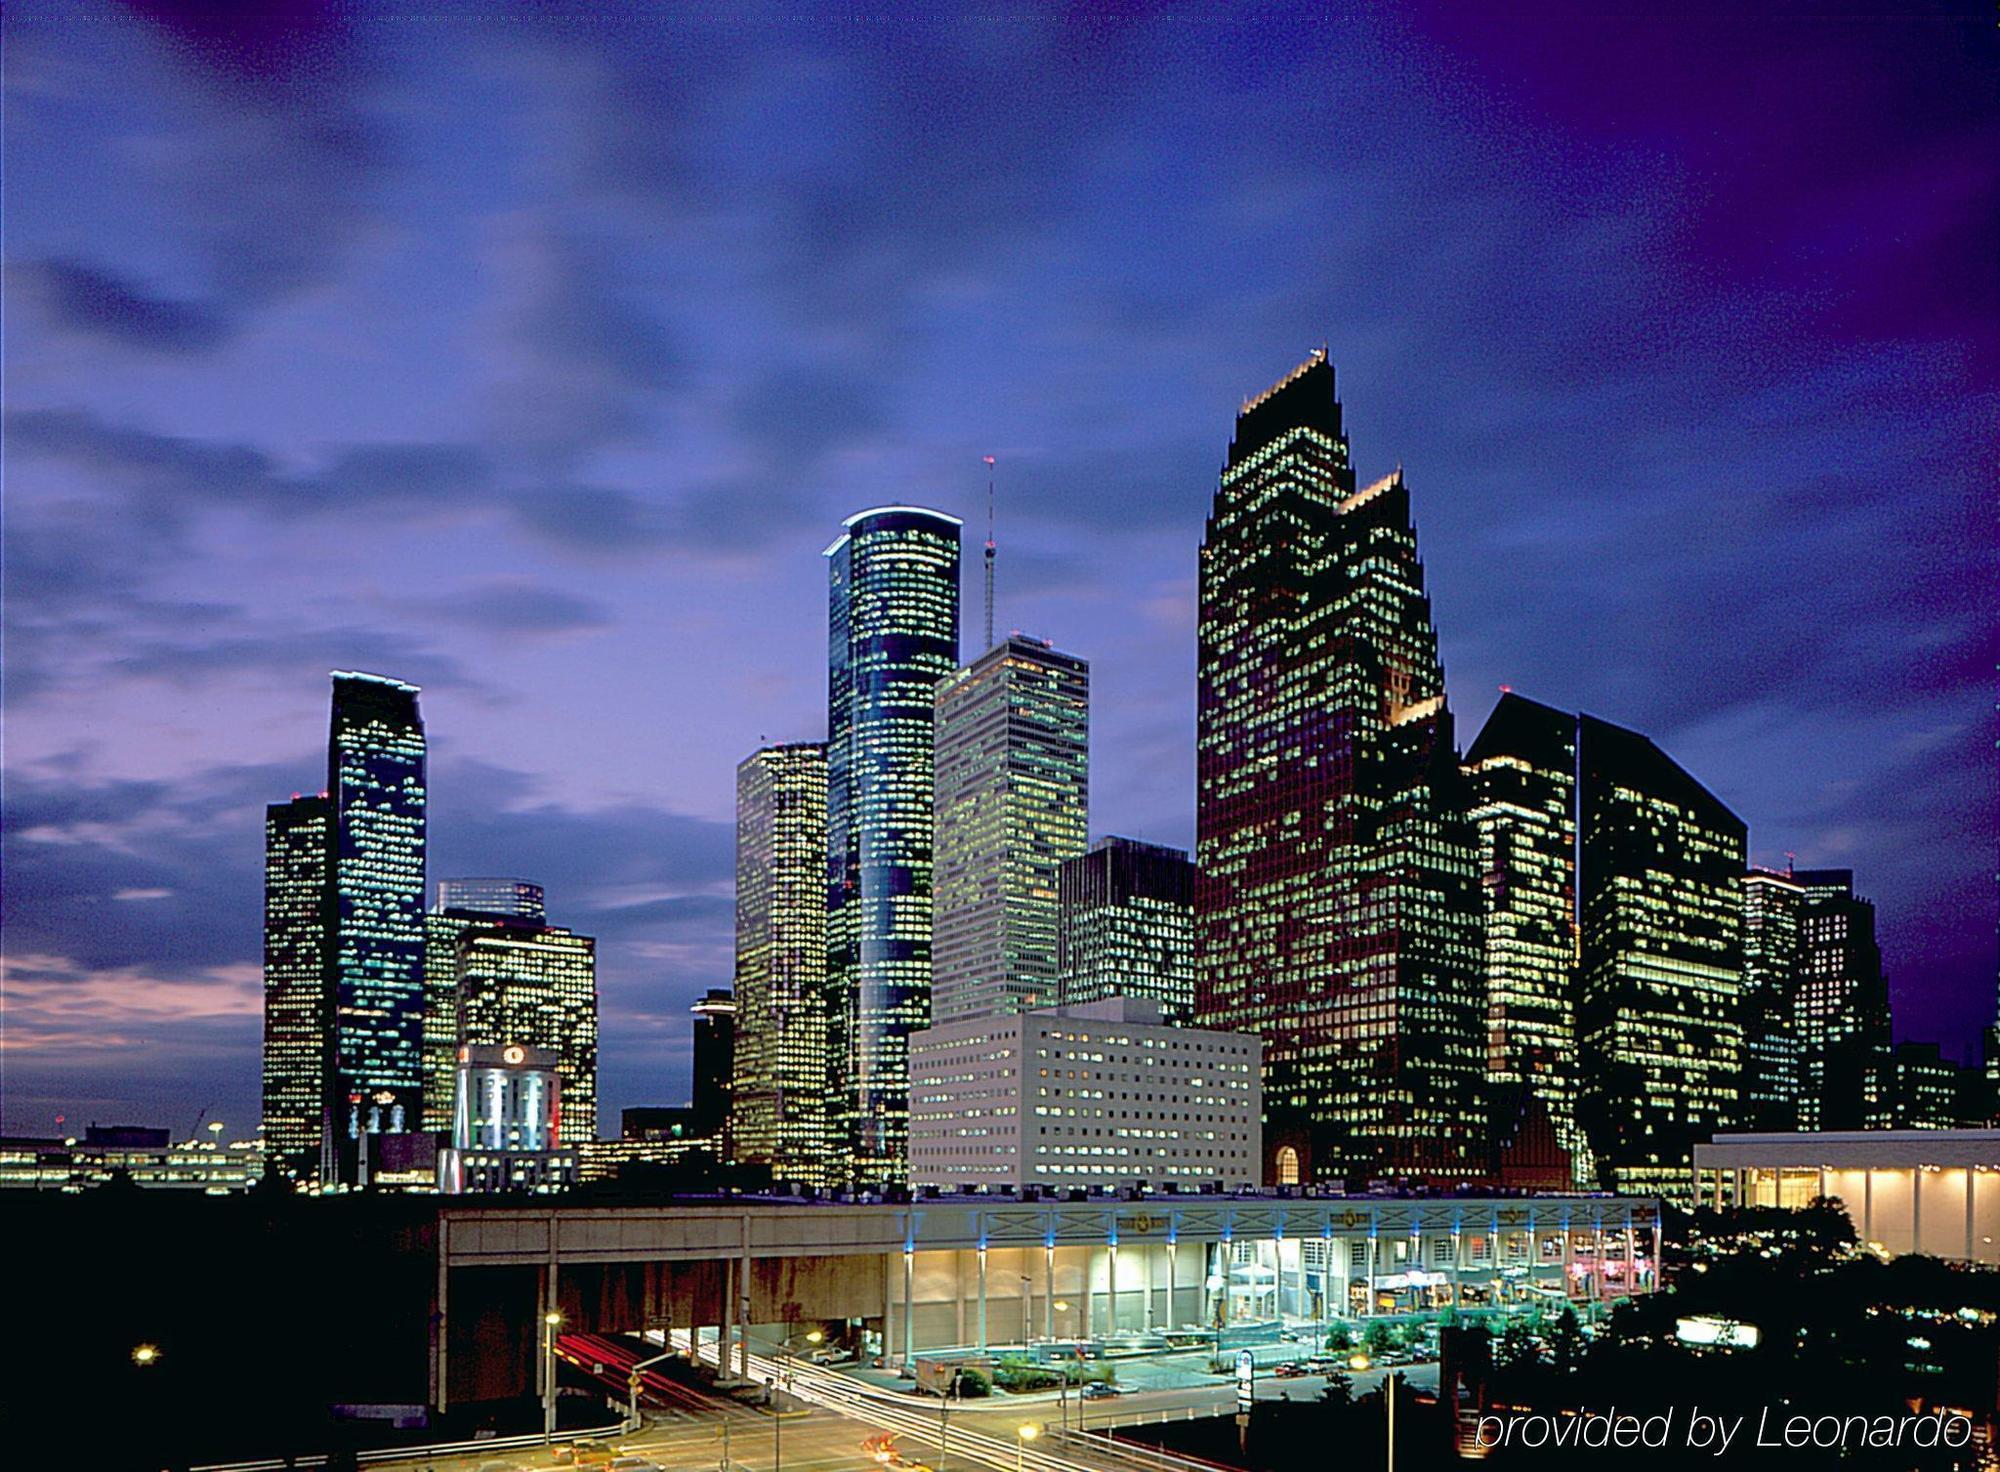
(1099, 1094)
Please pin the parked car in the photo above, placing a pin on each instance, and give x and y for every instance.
(1100, 1390)
(1289, 1370)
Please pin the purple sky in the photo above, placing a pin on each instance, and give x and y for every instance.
(535, 361)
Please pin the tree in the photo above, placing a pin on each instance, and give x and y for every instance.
(1339, 1389)
(1566, 1340)
(1378, 1338)
(1517, 1349)
(1340, 1339)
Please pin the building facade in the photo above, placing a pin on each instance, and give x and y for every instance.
(1842, 1009)
(780, 1069)
(506, 1123)
(461, 905)
(892, 637)
(1336, 901)
(1771, 1053)
(1659, 1002)
(1126, 926)
(1100, 1094)
(1013, 804)
(527, 984)
(714, 1060)
(376, 788)
(297, 954)
(1521, 775)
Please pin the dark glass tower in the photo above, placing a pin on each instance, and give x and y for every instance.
(1013, 802)
(714, 1060)
(1522, 775)
(1659, 1006)
(1336, 903)
(296, 950)
(1127, 926)
(777, 1106)
(375, 784)
(1842, 1009)
(892, 636)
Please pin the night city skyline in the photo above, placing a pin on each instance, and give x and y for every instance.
(476, 385)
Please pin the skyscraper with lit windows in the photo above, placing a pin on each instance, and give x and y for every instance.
(1521, 772)
(1013, 803)
(892, 637)
(526, 983)
(1772, 1074)
(1126, 926)
(1659, 996)
(377, 796)
(461, 905)
(1841, 1011)
(297, 940)
(780, 1068)
(1336, 902)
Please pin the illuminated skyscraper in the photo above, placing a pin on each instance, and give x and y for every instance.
(1771, 1057)
(297, 938)
(892, 636)
(1522, 775)
(1013, 803)
(1842, 1011)
(535, 985)
(461, 905)
(1336, 900)
(375, 784)
(714, 1061)
(1659, 998)
(1127, 926)
(780, 1069)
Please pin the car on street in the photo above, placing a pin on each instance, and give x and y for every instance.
(1100, 1390)
(1289, 1370)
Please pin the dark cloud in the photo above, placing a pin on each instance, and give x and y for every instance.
(518, 606)
(86, 299)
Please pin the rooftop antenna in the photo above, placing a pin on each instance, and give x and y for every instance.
(991, 552)
(1791, 859)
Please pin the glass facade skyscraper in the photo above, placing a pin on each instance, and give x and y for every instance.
(297, 938)
(714, 1062)
(376, 788)
(461, 904)
(1336, 902)
(1013, 803)
(1126, 926)
(526, 983)
(780, 1069)
(1846, 1069)
(892, 631)
(493, 895)
(1659, 998)
(1771, 1056)
(1521, 772)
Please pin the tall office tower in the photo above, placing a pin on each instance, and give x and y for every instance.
(1771, 1054)
(1842, 1017)
(296, 940)
(714, 1060)
(1126, 926)
(491, 895)
(777, 1110)
(461, 904)
(525, 982)
(1659, 998)
(1013, 803)
(1336, 899)
(375, 784)
(892, 636)
(1522, 775)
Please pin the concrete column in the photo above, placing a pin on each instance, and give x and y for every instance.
(1631, 1259)
(1569, 1257)
(1083, 1300)
(1916, 1208)
(1867, 1204)
(1458, 1267)
(441, 1395)
(1223, 1253)
(982, 1300)
(724, 1318)
(1173, 1282)
(1049, 1284)
(1146, 1260)
(958, 1296)
(909, 1308)
(1970, 1176)
(743, 1308)
(1368, 1266)
(1111, 1288)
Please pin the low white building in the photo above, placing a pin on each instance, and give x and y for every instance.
(1103, 1093)
(1929, 1191)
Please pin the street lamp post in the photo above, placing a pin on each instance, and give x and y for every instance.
(550, 1321)
(1023, 1434)
(632, 1386)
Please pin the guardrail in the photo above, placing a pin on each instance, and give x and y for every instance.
(408, 1453)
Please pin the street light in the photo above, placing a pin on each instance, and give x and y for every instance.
(1024, 1434)
(145, 1355)
(550, 1321)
